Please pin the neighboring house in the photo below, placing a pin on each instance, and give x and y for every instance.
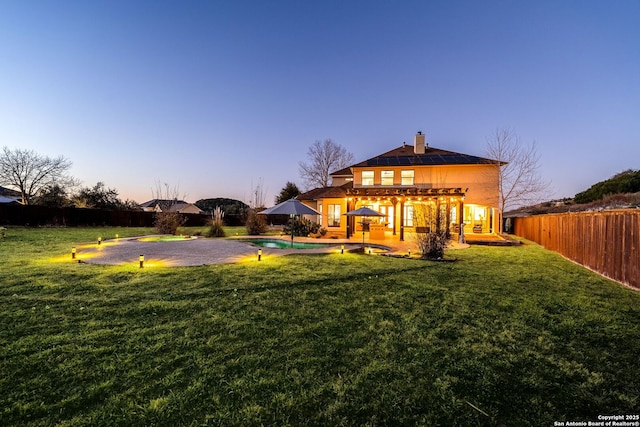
(10, 200)
(403, 183)
(10, 196)
(161, 205)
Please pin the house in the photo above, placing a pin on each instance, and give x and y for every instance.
(162, 205)
(407, 184)
(8, 196)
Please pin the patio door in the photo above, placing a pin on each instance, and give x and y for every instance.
(388, 218)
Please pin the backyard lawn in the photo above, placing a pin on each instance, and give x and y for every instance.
(503, 336)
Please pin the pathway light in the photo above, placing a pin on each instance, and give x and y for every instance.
(141, 261)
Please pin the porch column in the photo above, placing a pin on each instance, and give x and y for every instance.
(461, 221)
(401, 220)
(348, 220)
(448, 210)
(394, 203)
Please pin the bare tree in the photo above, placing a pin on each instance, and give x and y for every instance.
(324, 157)
(30, 173)
(518, 180)
(168, 220)
(432, 230)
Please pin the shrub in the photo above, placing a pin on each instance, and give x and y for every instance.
(256, 224)
(301, 227)
(168, 222)
(433, 240)
(216, 228)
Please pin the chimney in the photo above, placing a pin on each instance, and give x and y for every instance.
(418, 145)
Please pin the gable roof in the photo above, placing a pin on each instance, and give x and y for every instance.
(404, 156)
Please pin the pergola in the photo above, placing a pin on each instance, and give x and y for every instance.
(398, 196)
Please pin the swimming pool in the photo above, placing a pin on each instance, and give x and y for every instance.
(286, 244)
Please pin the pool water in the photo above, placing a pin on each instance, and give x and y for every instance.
(286, 244)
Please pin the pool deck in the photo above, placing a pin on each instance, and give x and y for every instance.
(204, 251)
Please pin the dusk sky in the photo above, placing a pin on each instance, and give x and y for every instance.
(214, 97)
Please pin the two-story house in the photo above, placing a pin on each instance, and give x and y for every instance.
(406, 182)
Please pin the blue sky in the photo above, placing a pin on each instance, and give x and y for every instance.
(214, 97)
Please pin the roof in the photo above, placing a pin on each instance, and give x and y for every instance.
(11, 200)
(326, 192)
(404, 156)
(342, 172)
(4, 191)
(164, 203)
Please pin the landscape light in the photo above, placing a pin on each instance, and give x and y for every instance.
(141, 261)
(409, 252)
(259, 254)
(117, 236)
(73, 252)
(99, 241)
(341, 249)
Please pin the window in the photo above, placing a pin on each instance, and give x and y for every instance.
(333, 214)
(408, 216)
(387, 178)
(407, 177)
(367, 177)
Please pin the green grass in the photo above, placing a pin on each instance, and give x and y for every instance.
(503, 336)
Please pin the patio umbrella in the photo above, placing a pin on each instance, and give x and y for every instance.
(364, 212)
(291, 207)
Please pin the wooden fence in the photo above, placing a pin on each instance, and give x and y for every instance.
(46, 216)
(607, 242)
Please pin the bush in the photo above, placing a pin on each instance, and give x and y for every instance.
(216, 229)
(302, 227)
(256, 224)
(432, 244)
(433, 240)
(168, 222)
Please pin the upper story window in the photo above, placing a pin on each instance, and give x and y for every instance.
(387, 178)
(407, 177)
(367, 177)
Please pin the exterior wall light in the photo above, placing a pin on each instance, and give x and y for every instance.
(73, 252)
(141, 261)
(259, 254)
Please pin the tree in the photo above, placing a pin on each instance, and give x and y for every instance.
(99, 197)
(623, 182)
(258, 194)
(30, 173)
(289, 191)
(325, 157)
(53, 196)
(432, 231)
(167, 221)
(518, 180)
